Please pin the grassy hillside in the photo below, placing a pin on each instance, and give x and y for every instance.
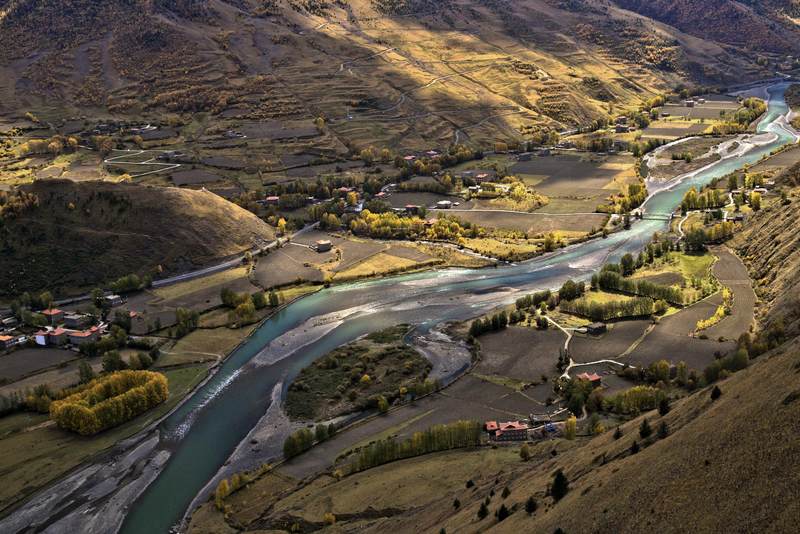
(78, 235)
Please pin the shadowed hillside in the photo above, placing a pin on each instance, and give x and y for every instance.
(78, 235)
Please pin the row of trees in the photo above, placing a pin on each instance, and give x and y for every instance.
(495, 323)
(533, 300)
(303, 439)
(710, 198)
(109, 401)
(392, 226)
(244, 305)
(131, 282)
(634, 400)
(615, 309)
(456, 435)
(612, 281)
(697, 238)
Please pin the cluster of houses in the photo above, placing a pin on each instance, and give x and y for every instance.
(68, 329)
(62, 329)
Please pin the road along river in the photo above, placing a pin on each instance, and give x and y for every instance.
(147, 483)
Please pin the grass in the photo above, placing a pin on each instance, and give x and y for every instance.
(176, 291)
(36, 455)
(380, 264)
(202, 345)
(502, 249)
(516, 385)
(603, 297)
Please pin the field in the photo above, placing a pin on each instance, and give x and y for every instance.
(202, 345)
(23, 362)
(671, 341)
(620, 337)
(520, 354)
(532, 224)
(37, 452)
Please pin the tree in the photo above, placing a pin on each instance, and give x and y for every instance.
(483, 511)
(112, 361)
(560, 486)
(329, 518)
(645, 431)
(383, 404)
(85, 372)
(663, 406)
(456, 504)
(223, 490)
(627, 264)
(570, 427)
(618, 433)
(634, 447)
(663, 430)
(525, 452)
(259, 300)
(755, 201)
(321, 433)
(506, 492)
(274, 299)
(716, 393)
(530, 505)
(502, 513)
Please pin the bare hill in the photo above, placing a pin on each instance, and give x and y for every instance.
(78, 235)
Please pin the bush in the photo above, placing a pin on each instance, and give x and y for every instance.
(109, 401)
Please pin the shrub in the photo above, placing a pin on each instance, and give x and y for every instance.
(109, 401)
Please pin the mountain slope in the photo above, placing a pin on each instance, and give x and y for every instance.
(754, 25)
(396, 73)
(78, 235)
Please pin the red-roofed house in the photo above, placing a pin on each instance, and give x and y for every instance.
(510, 431)
(57, 337)
(273, 200)
(594, 378)
(84, 336)
(54, 315)
(6, 342)
(491, 426)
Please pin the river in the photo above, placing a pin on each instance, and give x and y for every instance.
(197, 439)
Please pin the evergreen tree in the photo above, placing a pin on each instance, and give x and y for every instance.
(663, 430)
(85, 372)
(456, 504)
(634, 447)
(483, 511)
(618, 433)
(530, 505)
(560, 486)
(663, 407)
(502, 513)
(645, 430)
(506, 492)
(716, 393)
